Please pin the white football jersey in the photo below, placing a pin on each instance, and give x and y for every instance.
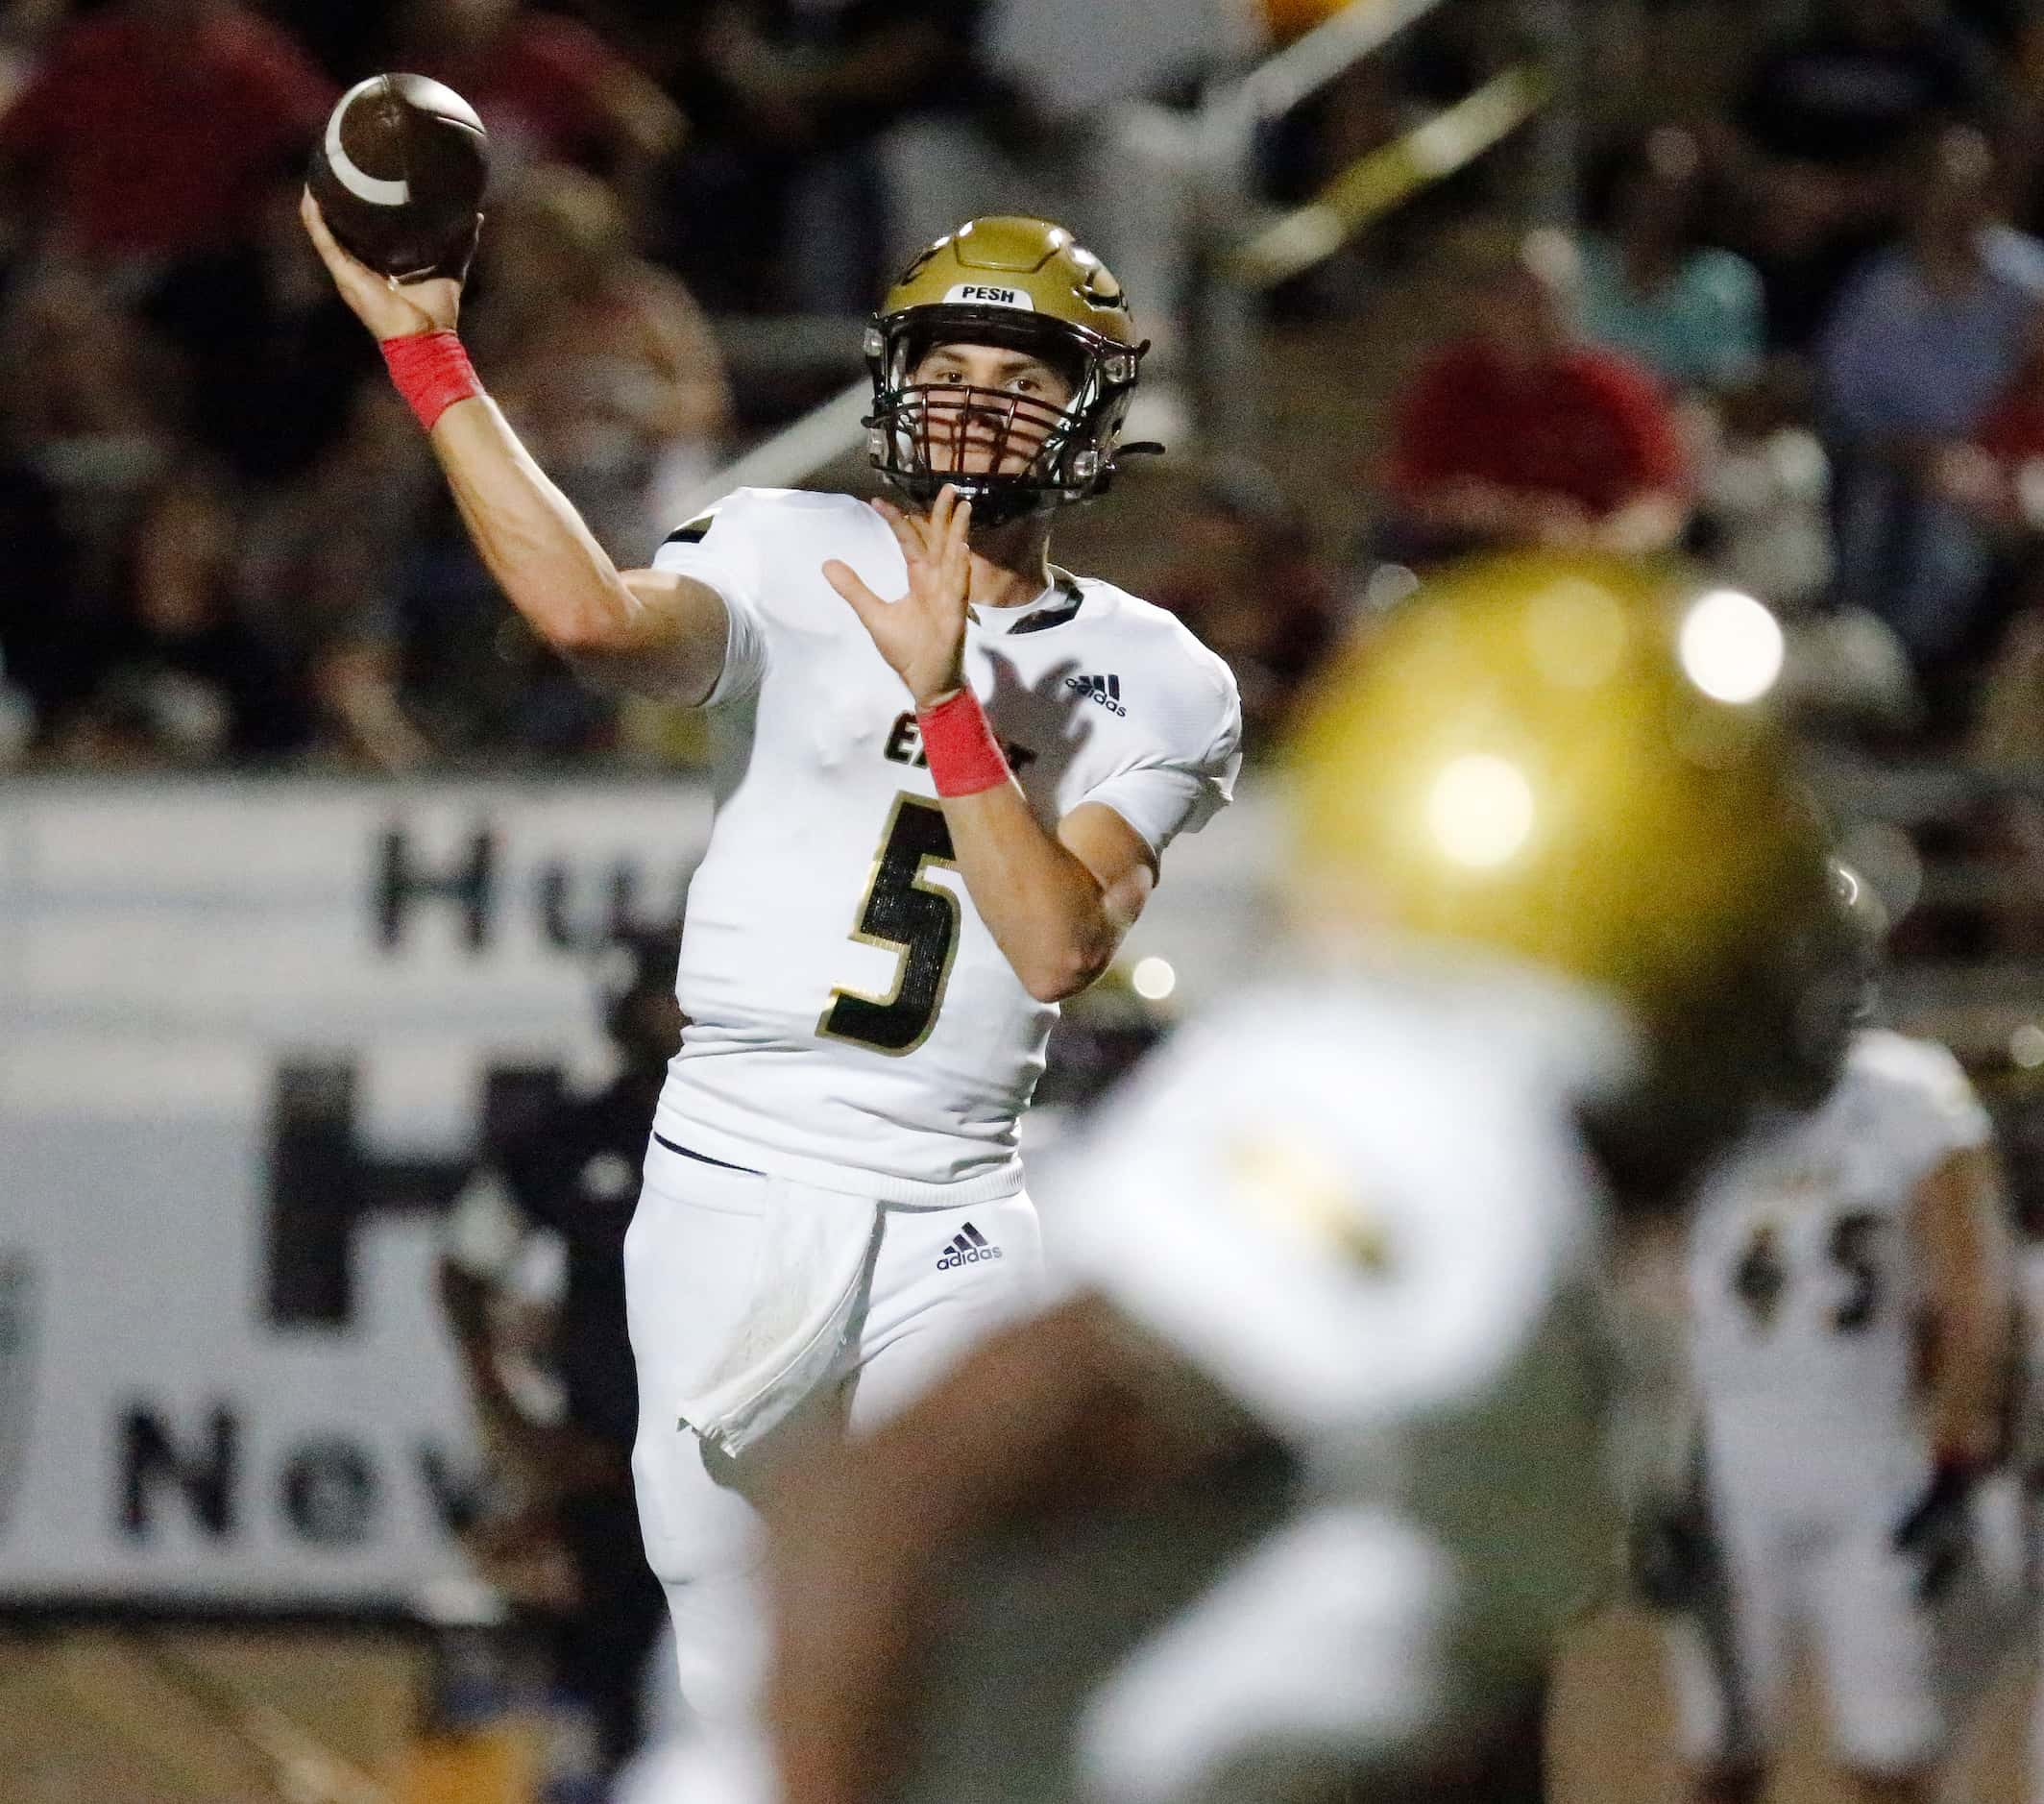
(852, 1022)
(1378, 1175)
(1803, 1288)
(1361, 1209)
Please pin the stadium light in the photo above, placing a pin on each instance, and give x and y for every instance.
(1731, 647)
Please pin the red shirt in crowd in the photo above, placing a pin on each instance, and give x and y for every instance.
(542, 90)
(149, 144)
(1588, 425)
(2014, 432)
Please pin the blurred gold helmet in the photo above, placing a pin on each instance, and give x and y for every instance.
(1009, 280)
(1571, 760)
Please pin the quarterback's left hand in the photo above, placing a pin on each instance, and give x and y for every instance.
(922, 635)
(1939, 1527)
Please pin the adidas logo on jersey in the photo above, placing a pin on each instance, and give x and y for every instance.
(1104, 690)
(968, 1247)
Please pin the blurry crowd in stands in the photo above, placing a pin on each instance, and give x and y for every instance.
(224, 543)
(1797, 331)
(1800, 335)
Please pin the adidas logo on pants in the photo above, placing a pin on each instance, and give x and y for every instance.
(968, 1248)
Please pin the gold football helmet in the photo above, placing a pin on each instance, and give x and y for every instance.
(1571, 761)
(1005, 280)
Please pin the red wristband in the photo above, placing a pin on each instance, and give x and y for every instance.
(963, 755)
(431, 370)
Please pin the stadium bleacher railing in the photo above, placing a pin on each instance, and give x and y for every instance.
(1242, 246)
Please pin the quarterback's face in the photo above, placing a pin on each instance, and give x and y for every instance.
(1006, 404)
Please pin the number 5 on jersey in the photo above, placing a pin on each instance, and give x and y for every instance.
(903, 913)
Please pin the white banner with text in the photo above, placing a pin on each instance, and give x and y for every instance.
(250, 1034)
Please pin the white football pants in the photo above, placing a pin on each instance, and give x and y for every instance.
(937, 1280)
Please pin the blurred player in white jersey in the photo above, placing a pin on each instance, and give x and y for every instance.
(1850, 1292)
(1292, 1486)
(951, 772)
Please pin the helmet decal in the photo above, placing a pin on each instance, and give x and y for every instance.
(989, 294)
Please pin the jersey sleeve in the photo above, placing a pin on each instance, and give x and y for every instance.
(1925, 1107)
(1189, 776)
(1338, 1227)
(725, 549)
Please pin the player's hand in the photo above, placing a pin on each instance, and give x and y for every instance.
(388, 309)
(922, 635)
(1937, 1532)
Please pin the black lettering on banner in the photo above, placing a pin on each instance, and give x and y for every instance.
(918, 920)
(323, 1183)
(204, 1473)
(620, 913)
(18, 1352)
(456, 1496)
(330, 1492)
(403, 885)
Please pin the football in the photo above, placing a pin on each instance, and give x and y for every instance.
(400, 173)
